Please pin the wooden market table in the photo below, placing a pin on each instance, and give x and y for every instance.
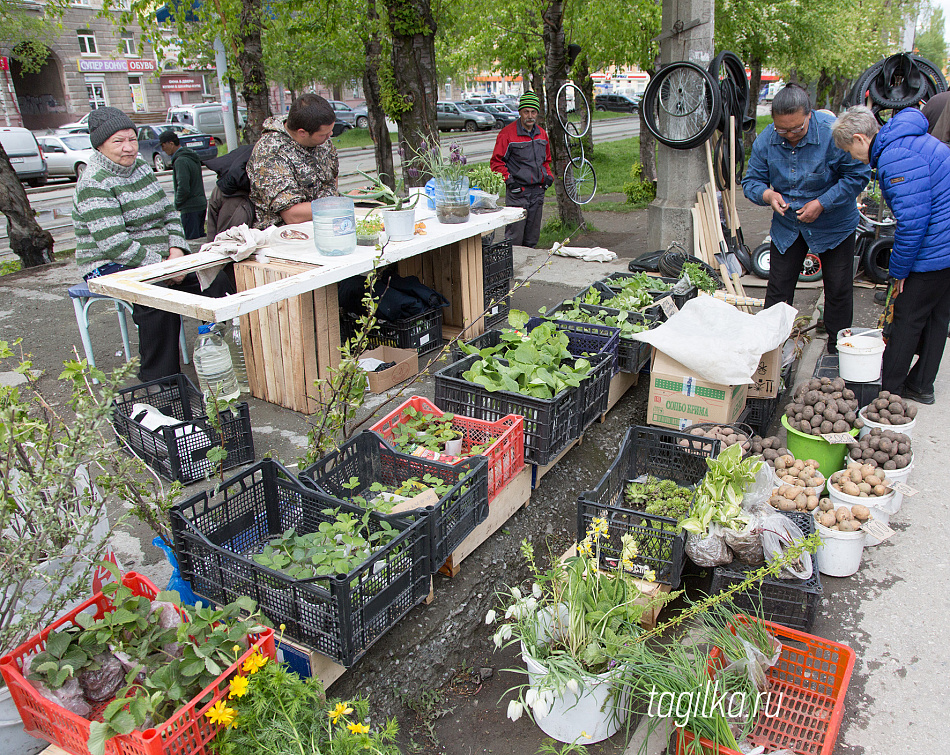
(287, 296)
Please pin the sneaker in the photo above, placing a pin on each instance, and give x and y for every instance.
(920, 398)
(880, 296)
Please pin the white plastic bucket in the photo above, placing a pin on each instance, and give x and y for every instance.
(869, 425)
(839, 554)
(881, 507)
(860, 358)
(899, 475)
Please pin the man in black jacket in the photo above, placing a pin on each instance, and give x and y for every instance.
(190, 199)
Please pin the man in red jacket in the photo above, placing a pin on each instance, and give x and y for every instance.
(523, 157)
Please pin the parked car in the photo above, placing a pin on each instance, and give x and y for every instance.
(343, 112)
(451, 115)
(66, 154)
(489, 99)
(205, 117)
(619, 103)
(77, 127)
(25, 153)
(360, 116)
(340, 126)
(502, 115)
(151, 150)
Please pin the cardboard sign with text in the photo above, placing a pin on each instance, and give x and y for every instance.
(678, 399)
(767, 375)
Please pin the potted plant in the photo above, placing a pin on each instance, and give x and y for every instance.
(368, 230)
(576, 624)
(399, 216)
(451, 180)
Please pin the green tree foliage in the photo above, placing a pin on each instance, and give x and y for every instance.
(930, 42)
(27, 34)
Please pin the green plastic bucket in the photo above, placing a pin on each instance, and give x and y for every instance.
(830, 456)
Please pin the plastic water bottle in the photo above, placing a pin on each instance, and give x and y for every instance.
(213, 365)
(334, 226)
(230, 333)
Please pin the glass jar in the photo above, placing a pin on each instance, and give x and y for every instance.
(451, 200)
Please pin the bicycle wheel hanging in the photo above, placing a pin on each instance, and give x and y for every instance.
(580, 181)
(682, 105)
(573, 110)
(574, 147)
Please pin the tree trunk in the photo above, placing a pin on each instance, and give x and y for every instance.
(585, 83)
(537, 86)
(232, 85)
(30, 243)
(413, 37)
(251, 62)
(839, 90)
(555, 74)
(755, 84)
(337, 91)
(378, 131)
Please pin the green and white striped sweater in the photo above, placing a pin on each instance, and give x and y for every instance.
(123, 215)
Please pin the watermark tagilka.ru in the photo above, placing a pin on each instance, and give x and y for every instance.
(708, 700)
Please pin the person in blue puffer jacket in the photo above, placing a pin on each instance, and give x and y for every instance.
(913, 168)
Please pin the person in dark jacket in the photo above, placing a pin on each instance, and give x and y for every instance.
(190, 198)
(812, 187)
(523, 157)
(913, 169)
(230, 203)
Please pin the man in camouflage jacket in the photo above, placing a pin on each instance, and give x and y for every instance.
(294, 162)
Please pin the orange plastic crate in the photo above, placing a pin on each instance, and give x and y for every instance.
(185, 733)
(505, 456)
(812, 675)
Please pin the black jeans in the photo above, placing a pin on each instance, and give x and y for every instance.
(193, 224)
(525, 232)
(837, 276)
(921, 322)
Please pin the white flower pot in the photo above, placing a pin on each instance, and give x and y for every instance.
(593, 713)
(14, 737)
(400, 224)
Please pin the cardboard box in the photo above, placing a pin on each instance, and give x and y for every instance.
(679, 399)
(307, 662)
(407, 365)
(767, 375)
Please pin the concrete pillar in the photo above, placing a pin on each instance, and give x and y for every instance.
(680, 173)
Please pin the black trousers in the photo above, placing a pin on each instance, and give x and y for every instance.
(193, 224)
(837, 276)
(525, 232)
(921, 322)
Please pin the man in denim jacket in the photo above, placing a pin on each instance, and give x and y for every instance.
(811, 186)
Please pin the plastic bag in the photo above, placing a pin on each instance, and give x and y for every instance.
(746, 544)
(754, 664)
(779, 532)
(710, 550)
(482, 201)
(69, 696)
(170, 618)
(101, 685)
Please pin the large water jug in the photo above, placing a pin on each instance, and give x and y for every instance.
(334, 226)
(230, 332)
(213, 365)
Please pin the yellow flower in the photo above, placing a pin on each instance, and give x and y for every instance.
(358, 728)
(236, 649)
(238, 687)
(253, 664)
(649, 575)
(220, 713)
(341, 709)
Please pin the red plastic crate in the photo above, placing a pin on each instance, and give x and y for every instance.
(185, 733)
(505, 456)
(812, 674)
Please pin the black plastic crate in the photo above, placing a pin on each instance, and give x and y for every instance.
(865, 393)
(486, 340)
(759, 413)
(790, 602)
(498, 303)
(615, 280)
(664, 454)
(586, 338)
(420, 332)
(550, 424)
(370, 459)
(607, 294)
(594, 391)
(631, 353)
(179, 452)
(497, 263)
(217, 532)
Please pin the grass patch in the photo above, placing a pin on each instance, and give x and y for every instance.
(612, 162)
(604, 115)
(761, 121)
(353, 137)
(555, 230)
(10, 266)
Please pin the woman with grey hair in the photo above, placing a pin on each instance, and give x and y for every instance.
(913, 169)
(811, 186)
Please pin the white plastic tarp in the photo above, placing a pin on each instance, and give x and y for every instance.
(719, 343)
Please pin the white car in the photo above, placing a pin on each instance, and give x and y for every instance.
(66, 154)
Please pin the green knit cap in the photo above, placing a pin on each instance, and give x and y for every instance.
(529, 99)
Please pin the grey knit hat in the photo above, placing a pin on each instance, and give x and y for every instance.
(104, 122)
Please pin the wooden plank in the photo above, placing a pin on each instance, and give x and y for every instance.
(321, 347)
(244, 280)
(268, 338)
(619, 385)
(512, 497)
(537, 472)
(289, 342)
(471, 255)
(696, 250)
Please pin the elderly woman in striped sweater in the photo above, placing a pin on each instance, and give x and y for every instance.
(123, 220)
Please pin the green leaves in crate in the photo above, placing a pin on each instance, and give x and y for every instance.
(539, 363)
(719, 495)
(424, 429)
(574, 313)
